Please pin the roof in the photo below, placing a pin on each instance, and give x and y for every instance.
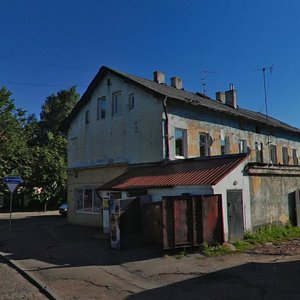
(162, 90)
(195, 171)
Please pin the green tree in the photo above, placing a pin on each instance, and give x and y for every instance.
(57, 107)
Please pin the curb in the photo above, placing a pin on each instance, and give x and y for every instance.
(31, 278)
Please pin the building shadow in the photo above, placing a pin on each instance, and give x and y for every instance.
(51, 239)
(249, 281)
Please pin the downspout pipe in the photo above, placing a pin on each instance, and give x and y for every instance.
(166, 137)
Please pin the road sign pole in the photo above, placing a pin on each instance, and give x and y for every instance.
(10, 210)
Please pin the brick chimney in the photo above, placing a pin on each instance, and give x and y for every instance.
(231, 97)
(220, 96)
(176, 82)
(159, 77)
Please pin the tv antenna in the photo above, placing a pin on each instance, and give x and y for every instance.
(264, 69)
(203, 79)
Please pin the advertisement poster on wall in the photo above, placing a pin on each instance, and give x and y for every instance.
(115, 239)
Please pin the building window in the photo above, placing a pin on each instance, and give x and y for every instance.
(242, 146)
(273, 154)
(259, 152)
(285, 156)
(117, 104)
(87, 117)
(87, 200)
(225, 146)
(295, 157)
(131, 101)
(180, 142)
(101, 108)
(203, 145)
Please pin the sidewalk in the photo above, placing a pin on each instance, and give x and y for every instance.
(73, 262)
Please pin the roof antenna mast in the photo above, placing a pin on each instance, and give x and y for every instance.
(270, 68)
(203, 79)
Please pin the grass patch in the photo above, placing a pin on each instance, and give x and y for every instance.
(262, 235)
(217, 250)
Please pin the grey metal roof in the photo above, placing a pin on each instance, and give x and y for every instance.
(181, 95)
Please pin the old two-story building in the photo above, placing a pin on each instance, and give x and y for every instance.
(124, 121)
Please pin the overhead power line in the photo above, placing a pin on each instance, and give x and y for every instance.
(40, 84)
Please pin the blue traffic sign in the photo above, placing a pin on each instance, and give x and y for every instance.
(13, 179)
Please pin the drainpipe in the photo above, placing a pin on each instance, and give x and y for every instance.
(167, 150)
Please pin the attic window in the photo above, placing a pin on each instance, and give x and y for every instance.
(131, 101)
(117, 103)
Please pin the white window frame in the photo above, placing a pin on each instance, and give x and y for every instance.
(131, 101)
(117, 103)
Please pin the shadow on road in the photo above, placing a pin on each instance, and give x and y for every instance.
(249, 281)
(52, 240)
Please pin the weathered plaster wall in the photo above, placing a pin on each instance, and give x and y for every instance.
(272, 195)
(92, 178)
(134, 136)
(196, 120)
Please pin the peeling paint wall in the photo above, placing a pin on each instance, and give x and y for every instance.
(197, 120)
(272, 197)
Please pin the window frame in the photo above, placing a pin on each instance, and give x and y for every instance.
(204, 145)
(243, 146)
(225, 146)
(131, 101)
(84, 195)
(285, 155)
(184, 143)
(295, 157)
(272, 152)
(101, 108)
(116, 104)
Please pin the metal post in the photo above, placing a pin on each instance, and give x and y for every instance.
(10, 210)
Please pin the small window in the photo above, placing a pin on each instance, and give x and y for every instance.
(259, 152)
(225, 146)
(285, 156)
(242, 146)
(87, 117)
(180, 144)
(117, 104)
(131, 101)
(203, 145)
(101, 108)
(295, 157)
(273, 154)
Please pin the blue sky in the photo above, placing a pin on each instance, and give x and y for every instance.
(48, 45)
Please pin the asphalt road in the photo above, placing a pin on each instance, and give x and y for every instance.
(77, 264)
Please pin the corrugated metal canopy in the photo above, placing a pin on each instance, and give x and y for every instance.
(197, 171)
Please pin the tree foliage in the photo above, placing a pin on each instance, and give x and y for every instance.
(57, 107)
(33, 149)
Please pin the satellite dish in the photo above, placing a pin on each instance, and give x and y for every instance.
(222, 134)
